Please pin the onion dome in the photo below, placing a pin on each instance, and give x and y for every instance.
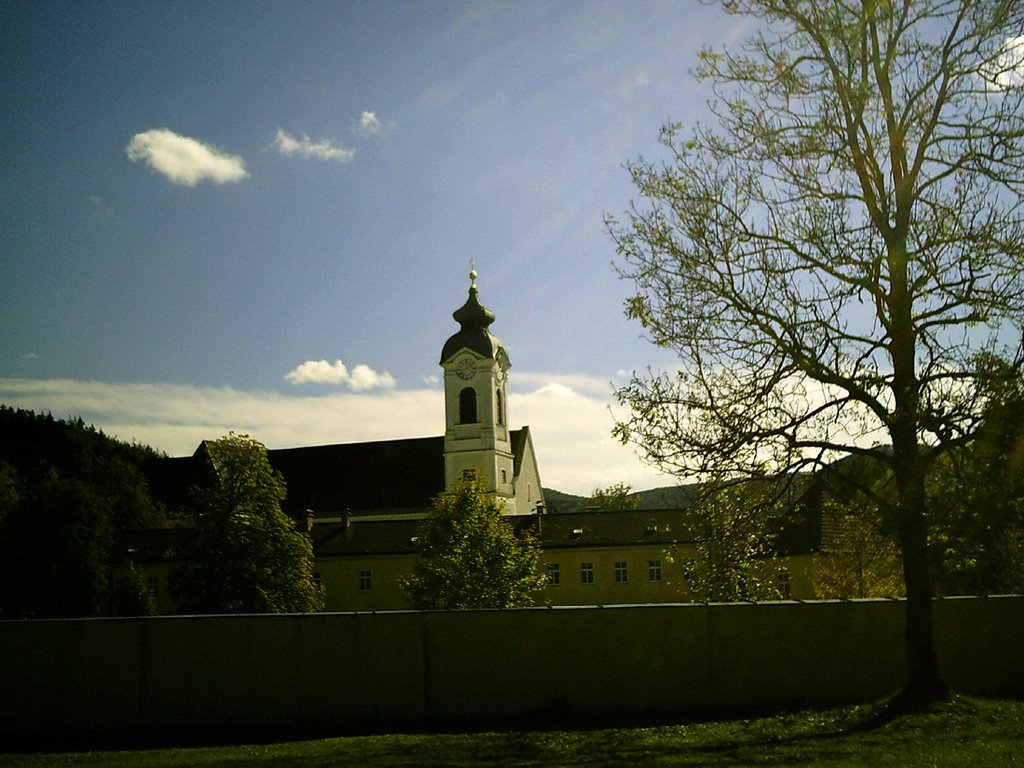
(474, 318)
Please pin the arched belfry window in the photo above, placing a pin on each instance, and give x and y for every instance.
(499, 401)
(467, 406)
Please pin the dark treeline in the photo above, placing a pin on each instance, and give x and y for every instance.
(65, 488)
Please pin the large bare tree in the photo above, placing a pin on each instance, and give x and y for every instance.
(837, 257)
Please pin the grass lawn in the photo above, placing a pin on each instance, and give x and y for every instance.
(963, 732)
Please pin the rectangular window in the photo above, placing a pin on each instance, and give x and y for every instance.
(504, 476)
(365, 581)
(469, 475)
(586, 573)
(621, 572)
(654, 570)
(554, 574)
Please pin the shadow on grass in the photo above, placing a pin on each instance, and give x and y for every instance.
(832, 735)
(841, 736)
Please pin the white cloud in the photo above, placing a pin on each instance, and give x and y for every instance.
(571, 431)
(572, 436)
(371, 125)
(184, 160)
(319, 372)
(360, 379)
(364, 378)
(1006, 69)
(175, 418)
(554, 390)
(562, 384)
(291, 146)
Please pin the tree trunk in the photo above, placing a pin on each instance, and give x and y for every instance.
(924, 680)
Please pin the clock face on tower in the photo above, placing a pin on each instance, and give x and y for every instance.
(465, 368)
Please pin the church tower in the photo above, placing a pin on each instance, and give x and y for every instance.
(477, 443)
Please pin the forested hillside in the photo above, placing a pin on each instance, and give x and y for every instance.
(665, 497)
(65, 487)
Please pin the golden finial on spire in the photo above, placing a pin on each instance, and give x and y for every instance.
(472, 273)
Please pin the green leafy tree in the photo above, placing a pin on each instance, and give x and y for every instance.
(830, 260)
(8, 491)
(858, 559)
(615, 498)
(54, 551)
(132, 596)
(239, 552)
(469, 556)
(859, 556)
(734, 557)
(976, 497)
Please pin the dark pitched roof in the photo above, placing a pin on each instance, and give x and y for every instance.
(799, 531)
(383, 475)
(576, 530)
(615, 529)
(795, 533)
(170, 479)
(381, 537)
(365, 537)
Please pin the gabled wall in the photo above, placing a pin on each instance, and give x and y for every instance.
(528, 490)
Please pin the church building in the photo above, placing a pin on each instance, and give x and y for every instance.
(393, 479)
(361, 503)
(398, 479)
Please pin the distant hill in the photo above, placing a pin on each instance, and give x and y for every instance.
(561, 502)
(669, 496)
(666, 497)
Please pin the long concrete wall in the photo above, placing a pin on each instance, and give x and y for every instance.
(75, 676)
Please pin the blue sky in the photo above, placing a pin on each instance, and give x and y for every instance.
(200, 198)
